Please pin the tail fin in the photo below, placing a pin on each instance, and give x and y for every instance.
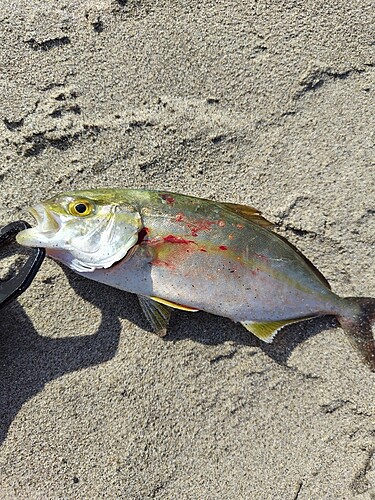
(359, 324)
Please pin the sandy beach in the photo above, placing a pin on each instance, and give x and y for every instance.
(269, 104)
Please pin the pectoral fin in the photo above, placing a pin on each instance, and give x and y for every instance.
(157, 314)
(266, 331)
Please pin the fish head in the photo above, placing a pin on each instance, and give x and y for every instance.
(86, 230)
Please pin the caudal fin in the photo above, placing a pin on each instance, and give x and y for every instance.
(358, 324)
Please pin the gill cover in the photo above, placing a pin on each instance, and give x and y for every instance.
(107, 238)
(84, 240)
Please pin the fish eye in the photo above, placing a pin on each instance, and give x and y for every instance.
(80, 208)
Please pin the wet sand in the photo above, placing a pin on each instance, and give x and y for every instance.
(264, 104)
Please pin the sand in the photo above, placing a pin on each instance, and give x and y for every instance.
(264, 103)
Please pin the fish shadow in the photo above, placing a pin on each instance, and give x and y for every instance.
(28, 360)
(214, 330)
(201, 327)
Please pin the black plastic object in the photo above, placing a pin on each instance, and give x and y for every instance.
(11, 289)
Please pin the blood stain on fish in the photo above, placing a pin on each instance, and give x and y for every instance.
(168, 199)
(195, 225)
(223, 247)
(142, 235)
(162, 263)
(176, 239)
(199, 225)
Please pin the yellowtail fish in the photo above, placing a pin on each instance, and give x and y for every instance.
(177, 251)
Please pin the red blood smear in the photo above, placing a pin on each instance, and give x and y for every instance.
(202, 250)
(196, 225)
(199, 225)
(142, 235)
(168, 198)
(176, 239)
(223, 247)
(162, 263)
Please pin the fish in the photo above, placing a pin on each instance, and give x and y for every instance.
(182, 252)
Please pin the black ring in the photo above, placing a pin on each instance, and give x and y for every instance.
(11, 289)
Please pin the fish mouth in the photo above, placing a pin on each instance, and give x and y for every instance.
(47, 222)
(47, 226)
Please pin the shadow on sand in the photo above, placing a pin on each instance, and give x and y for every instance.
(28, 360)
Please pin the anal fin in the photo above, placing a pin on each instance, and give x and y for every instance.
(267, 330)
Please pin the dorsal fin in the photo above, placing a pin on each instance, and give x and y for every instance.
(249, 213)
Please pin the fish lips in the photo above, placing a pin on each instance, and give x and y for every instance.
(41, 235)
